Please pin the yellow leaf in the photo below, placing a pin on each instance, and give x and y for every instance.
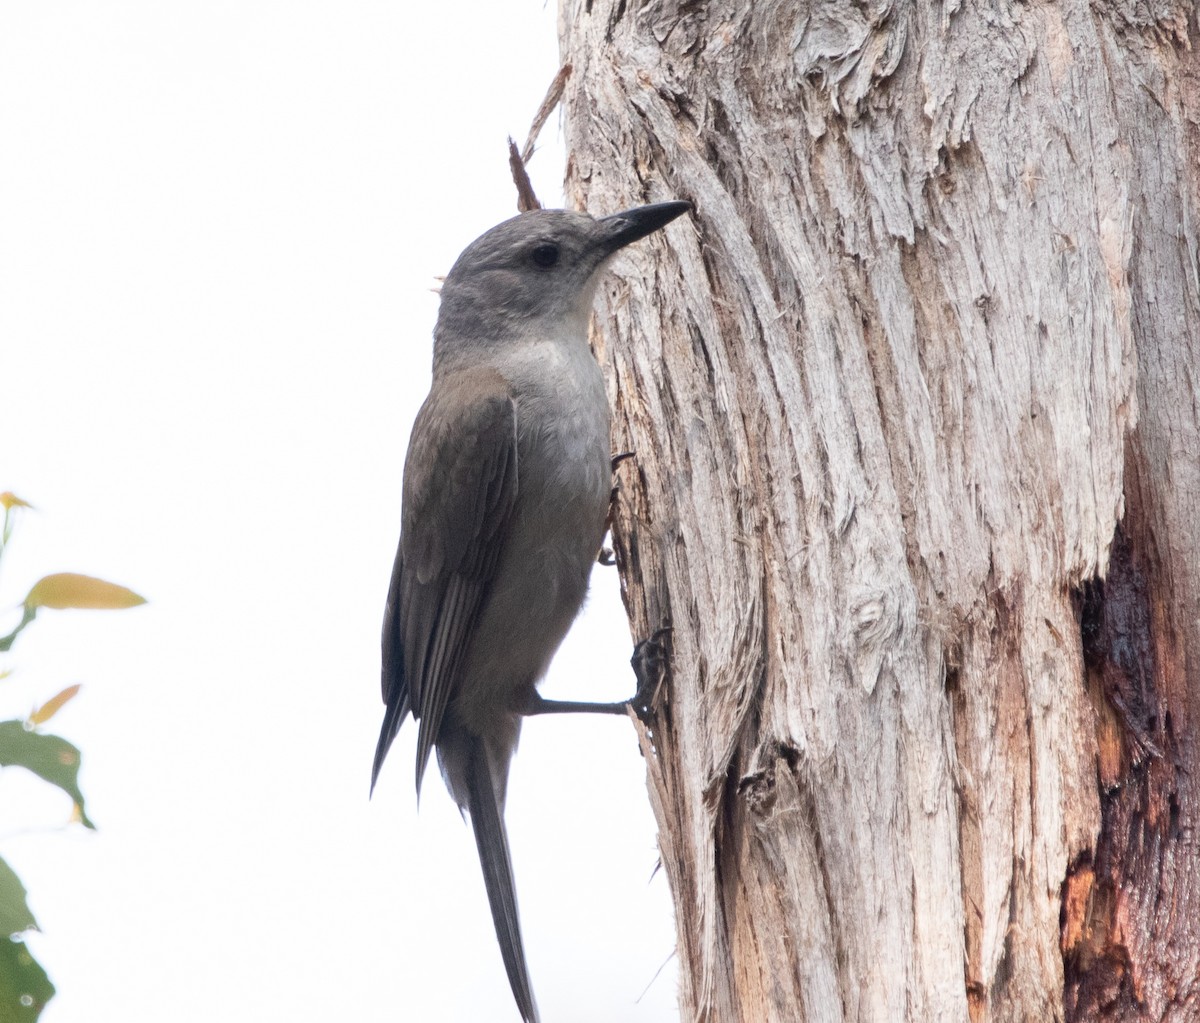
(52, 706)
(68, 589)
(10, 500)
(5, 673)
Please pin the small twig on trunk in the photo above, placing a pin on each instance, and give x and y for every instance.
(526, 199)
(553, 96)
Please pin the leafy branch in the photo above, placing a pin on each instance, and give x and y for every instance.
(24, 987)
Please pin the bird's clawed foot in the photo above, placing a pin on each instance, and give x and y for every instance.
(606, 556)
(649, 659)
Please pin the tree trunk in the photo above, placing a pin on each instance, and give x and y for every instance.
(914, 397)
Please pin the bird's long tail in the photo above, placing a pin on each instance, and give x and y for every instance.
(492, 842)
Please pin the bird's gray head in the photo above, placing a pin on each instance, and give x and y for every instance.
(536, 270)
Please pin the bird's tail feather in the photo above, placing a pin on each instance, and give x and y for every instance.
(393, 718)
(492, 842)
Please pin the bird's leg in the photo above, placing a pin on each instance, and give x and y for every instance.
(648, 659)
(606, 556)
(538, 704)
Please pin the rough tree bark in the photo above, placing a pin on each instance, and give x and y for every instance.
(914, 397)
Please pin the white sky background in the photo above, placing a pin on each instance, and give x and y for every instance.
(219, 225)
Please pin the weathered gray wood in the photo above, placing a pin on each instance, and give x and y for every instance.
(934, 323)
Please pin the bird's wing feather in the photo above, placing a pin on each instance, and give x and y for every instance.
(395, 686)
(458, 499)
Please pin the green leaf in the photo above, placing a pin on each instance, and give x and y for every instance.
(47, 756)
(15, 913)
(15, 916)
(24, 987)
(70, 589)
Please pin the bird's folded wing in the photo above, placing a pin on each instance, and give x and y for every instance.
(460, 485)
(395, 685)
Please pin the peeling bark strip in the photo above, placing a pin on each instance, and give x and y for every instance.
(934, 327)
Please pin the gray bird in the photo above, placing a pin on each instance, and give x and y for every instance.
(506, 493)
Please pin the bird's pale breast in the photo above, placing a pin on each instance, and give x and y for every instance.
(564, 480)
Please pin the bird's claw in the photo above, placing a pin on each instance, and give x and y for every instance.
(649, 658)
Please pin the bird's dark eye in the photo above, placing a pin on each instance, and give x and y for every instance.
(545, 255)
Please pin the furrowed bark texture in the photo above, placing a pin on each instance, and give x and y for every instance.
(914, 401)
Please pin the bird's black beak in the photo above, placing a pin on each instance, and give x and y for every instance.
(622, 228)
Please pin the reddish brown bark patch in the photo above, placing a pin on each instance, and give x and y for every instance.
(1129, 921)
